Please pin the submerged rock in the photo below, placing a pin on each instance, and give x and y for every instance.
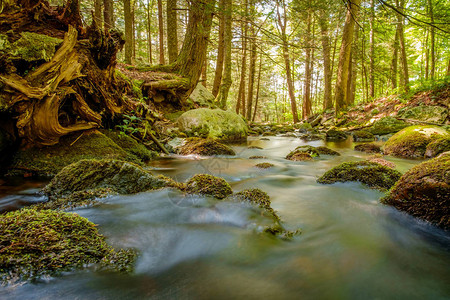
(426, 113)
(438, 146)
(368, 148)
(363, 136)
(255, 197)
(49, 160)
(369, 173)
(327, 151)
(424, 191)
(312, 137)
(213, 123)
(47, 242)
(264, 165)
(412, 141)
(257, 157)
(205, 184)
(378, 158)
(335, 135)
(387, 125)
(206, 147)
(118, 176)
(299, 155)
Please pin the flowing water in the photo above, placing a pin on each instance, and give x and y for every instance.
(351, 246)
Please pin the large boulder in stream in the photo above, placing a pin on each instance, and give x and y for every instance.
(424, 191)
(36, 243)
(205, 184)
(412, 141)
(369, 173)
(206, 147)
(115, 175)
(49, 160)
(387, 125)
(213, 123)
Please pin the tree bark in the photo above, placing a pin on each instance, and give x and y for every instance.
(220, 49)
(394, 62)
(404, 61)
(161, 33)
(108, 14)
(149, 30)
(372, 52)
(128, 31)
(306, 111)
(432, 42)
(257, 89)
(344, 56)
(323, 23)
(252, 67)
(225, 86)
(98, 11)
(172, 30)
(240, 105)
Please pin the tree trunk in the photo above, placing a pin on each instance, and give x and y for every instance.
(403, 58)
(344, 56)
(149, 30)
(394, 62)
(351, 87)
(128, 31)
(98, 12)
(161, 33)
(226, 79)
(432, 42)
(257, 89)
(75, 89)
(172, 29)
(240, 105)
(306, 111)
(372, 52)
(252, 67)
(220, 49)
(108, 14)
(323, 23)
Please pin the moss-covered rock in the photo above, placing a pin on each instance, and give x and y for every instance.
(424, 191)
(255, 147)
(438, 146)
(119, 176)
(326, 151)
(205, 184)
(363, 136)
(213, 123)
(202, 97)
(306, 148)
(264, 165)
(312, 137)
(387, 125)
(255, 197)
(368, 148)
(130, 145)
(371, 174)
(303, 127)
(257, 157)
(49, 160)
(412, 141)
(34, 47)
(335, 135)
(47, 242)
(206, 147)
(378, 158)
(299, 155)
(432, 114)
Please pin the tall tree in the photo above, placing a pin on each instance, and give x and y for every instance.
(252, 67)
(394, 62)
(282, 23)
(432, 38)
(108, 14)
(98, 12)
(226, 78)
(220, 49)
(161, 33)
(240, 105)
(323, 23)
(344, 56)
(306, 108)
(400, 4)
(149, 30)
(372, 51)
(172, 30)
(128, 31)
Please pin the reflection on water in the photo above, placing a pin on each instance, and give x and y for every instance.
(352, 247)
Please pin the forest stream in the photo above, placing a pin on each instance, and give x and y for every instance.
(351, 245)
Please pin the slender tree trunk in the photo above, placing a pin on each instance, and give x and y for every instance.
(282, 22)
(344, 56)
(98, 12)
(205, 71)
(323, 22)
(306, 109)
(128, 31)
(252, 67)
(149, 30)
(372, 52)
(351, 88)
(257, 89)
(108, 14)
(448, 67)
(403, 58)
(241, 96)
(172, 29)
(394, 62)
(225, 86)
(134, 35)
(427, 55)
(161, 33)
(433, 50)
(220, 50)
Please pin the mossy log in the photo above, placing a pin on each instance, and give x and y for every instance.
(75, 89)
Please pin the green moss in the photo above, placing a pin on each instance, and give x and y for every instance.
(433, 114)
(119, 176)
(413, 141)
(363, 136)
(378, 158)
(205, 184)
(49, 160)
(438, 146)
(424, 191)
(327, 151)
(130, 145)
(205, 147)
(368, 148)
(335, 135)
(35, 243)
(33, 47)
(257, 157)
(75, 199)
(387, 125)
(265, 165)
(299, 155)
(369, 173)
(255, 147)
